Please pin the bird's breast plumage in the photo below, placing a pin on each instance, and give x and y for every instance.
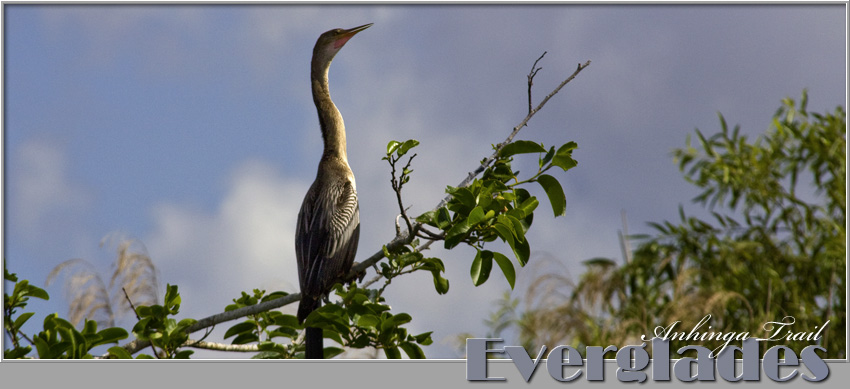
(327, 232)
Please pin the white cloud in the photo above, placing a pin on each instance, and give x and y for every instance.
(42, 193)
(246, 243)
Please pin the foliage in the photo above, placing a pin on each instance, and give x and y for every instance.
(363, 319)
(259, 328)
(59, 339)
(771, 250)
(165, 333)
(11, 304)
(497, 207)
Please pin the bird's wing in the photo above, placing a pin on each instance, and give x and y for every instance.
(326, 236)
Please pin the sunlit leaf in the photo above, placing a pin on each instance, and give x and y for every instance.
(481, 266)
(392, 146)
(555, 193)
(507, 267)
(521, 147)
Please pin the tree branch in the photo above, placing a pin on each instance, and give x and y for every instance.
(513, 133)
(397, 184)
(531, 74)
(220, 346)
(360, 268)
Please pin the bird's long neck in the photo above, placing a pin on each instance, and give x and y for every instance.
(330, 120)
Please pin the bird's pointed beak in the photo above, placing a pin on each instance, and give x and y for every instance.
(345, 36)
(355, 30)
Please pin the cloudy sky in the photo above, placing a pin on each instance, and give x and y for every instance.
(191, 128)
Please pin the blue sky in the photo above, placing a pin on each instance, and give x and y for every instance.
(191, 128)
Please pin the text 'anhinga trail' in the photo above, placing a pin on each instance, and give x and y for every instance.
(329, 221)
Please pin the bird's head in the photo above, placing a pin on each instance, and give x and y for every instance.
(331, 42)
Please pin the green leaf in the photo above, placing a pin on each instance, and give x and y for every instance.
(529, 205)
(407, 145)
(412, 350)
(555, 192)
(90, 327)
(518, 227)
(171, 296)
(424, 338)
(183, 354)
(481, 266)
(507, 267)
(475, 216)
(370, 321)
(521, 147)
(392, 146)
(42, 348)
(287, 321)
(247, 326)
(522, 250)
(330, 352)
(427, 218)
(440, 284)
(184, 324)
(119, 352)
(34, 291)
(274, 296)
(463, 196)
(19, 322)
(456, 234)
(245, 337)
(16, 353)
(505, 230)
(399, 319)
(111, 335)
(443, 219)
(13, 277)
(548, 157)
(599, 261)
(565, 162)
(392, 353)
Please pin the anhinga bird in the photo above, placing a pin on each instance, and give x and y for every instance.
(329, 221)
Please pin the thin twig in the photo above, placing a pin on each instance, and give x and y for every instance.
(372, 281)
(531, 74)
(27, 338)
(127, 296)
(500, 146)
(397, 184)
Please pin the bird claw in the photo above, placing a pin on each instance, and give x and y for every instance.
(361, 274)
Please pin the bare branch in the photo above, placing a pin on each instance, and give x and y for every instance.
(220, 346)
(131, 304)
(397, 184)
(531, 74)
(513, 133)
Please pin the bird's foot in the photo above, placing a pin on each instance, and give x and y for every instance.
(361, 274)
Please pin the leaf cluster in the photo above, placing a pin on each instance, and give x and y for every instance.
(157, 325)
(771, 246)
(59, 339)
(498, 207)
(265, 327)
(362, 319)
